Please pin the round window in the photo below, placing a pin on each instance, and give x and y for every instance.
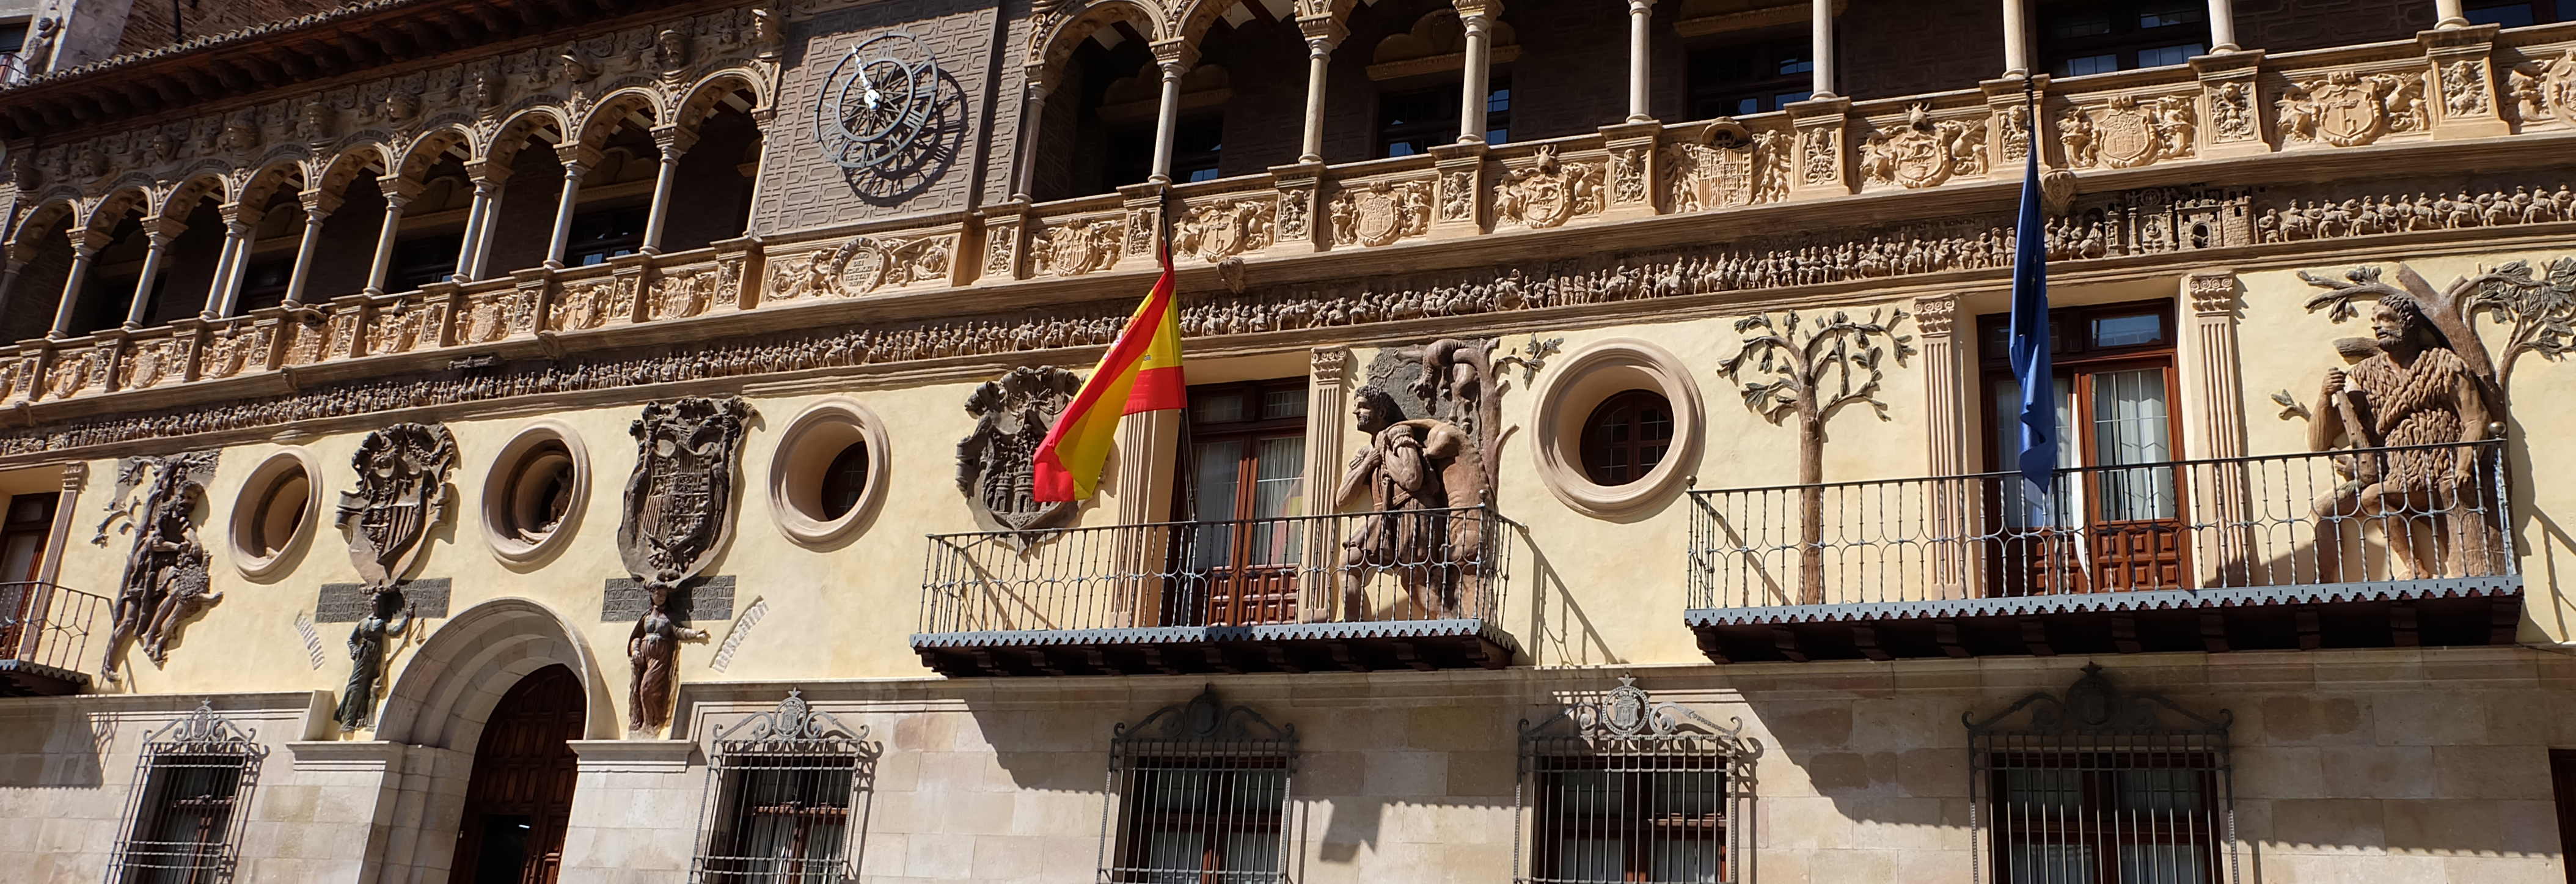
(1626, 437)
(845, 481)
(274, 511)
(532, 498)
(828, 472)
(540, 492)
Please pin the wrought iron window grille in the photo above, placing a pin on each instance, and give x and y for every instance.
(787, 794)
(1198, 794)
(192, 790)
(1626, 788)
(2097, 785)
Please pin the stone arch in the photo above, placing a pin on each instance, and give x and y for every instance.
(620, 107)
(363, 158)
(447, 691)
(1051, 48)
(196, 187)
(1195, 17)
(426, 151)
(513, 135)
(41, 219)
(707, 92)
(111, 208)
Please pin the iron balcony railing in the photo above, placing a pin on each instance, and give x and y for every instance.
(47, 625)
(1412, 565)
(2405, 516)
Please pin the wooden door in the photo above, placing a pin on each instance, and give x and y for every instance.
(24, 535)
(519, 797)
(1247, 462)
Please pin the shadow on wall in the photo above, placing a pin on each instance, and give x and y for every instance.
(1561, 633)
(63, 757)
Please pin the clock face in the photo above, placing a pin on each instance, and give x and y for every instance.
(879, 99)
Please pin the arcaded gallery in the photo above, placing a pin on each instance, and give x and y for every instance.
(1573, 442)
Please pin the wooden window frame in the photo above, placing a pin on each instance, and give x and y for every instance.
(1594, 447)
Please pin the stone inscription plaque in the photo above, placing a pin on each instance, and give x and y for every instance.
(698, 599)
(347, 602)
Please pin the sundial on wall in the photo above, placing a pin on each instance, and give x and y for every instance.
(881, 99)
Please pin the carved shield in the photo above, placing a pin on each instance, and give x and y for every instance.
(2126, 138)
(679, 500)
(1379, 217)
(1723, 177)
(1548, 202)
(2348, 114)
(996, 463)
(2559, 88)
(1225, 233)
(1070, 251)
(1920, 160)
(402, 491)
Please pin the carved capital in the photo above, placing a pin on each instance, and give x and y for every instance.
(1175, 57)
(1328, 365)
(1476, 14)
(1322, 33)
(2211, 294)
(398, 189)
(1934, 315)
(75, 477)
(319, 201)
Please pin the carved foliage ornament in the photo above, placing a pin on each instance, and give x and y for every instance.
(995, 463)
(679, 501)
(402, 491)
(794, 726)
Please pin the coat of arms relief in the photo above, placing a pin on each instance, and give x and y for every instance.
(2127, 132)
(402, 491)
(2350, 109)
(995, 463)
(1923, 151)
(679, 514)
(1725, 166)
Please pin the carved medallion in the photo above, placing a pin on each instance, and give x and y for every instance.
(402, 491)
(679, 500)
(995, 463)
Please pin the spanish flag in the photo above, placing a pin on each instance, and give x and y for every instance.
(1142, 370)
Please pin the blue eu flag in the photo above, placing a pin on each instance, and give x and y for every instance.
(2030, 358)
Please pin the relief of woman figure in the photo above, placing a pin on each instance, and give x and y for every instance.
(654, 648)
(367, 658)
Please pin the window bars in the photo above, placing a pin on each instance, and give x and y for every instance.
(191, 792)
(1198, 794)
(785, 793)
(2096, 787)
(1629, 789)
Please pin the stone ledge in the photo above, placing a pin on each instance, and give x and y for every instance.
(369, 756)
(633, 756)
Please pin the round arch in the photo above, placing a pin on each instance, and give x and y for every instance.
(1048, 54)
(513, 135)
(111, 209)
(263, 184)
(614, 110)
(42, 219)
(432, 145)
(184, 197)
(703, 96)
(448, 689)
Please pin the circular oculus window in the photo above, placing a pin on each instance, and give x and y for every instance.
(1618, 426)
(534, 495)
(275, 511)
(829, 471)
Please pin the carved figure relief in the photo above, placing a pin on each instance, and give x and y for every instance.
(1923, 152)
(1820, 155)
(1076, 247)
(1724, 167)
(1628, 175)
(995, 462)
(166, 578)
(2347, 109)
(401, 494)
(387, 617)
(1458, 196)
(2124, 134)
(1218, 230)
(1381, 212)
(2231, 112)
(2464, 88)
(1293, 212)
(679, 501)
(1548, 191)
(1423, 463)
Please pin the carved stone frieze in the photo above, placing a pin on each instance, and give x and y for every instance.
(1924, 152)
(77, 371)
(2126, 133)
(1223, 228)
(2335, 219)
(862, 265)
(493, 316)
(404, 326)
(1458, 196)
(1073, 247)
(1549, 191)
(239, 346)
(153, 361)
(1725, 166)
(593, 303)
(1296, 213)
(995, 462)
(679, 501)
(680, 293)
(2349, 109)
(1379, 212)
(401, 494)
(2547, 85)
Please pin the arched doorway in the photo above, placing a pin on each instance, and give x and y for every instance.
(519, 797)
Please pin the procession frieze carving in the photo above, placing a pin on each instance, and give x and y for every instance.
(1549, 191)
(1077, 246)
(401, 494)
(2126, 133)
(2350, 109)
(1723, 167)
(994, 469)
(1380, 212)
(1924, 152)
(2330, 219)
(1220, 229)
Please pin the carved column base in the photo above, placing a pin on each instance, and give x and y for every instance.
(2231, 103)
(1299, 230)
(2462, 91)
(1458, 191)
(1820, 166)
(1635, 166)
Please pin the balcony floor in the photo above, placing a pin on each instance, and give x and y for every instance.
(1180, 650)
(19, 678)
(2449, 611)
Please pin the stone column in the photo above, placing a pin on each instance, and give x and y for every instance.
(2212, 296)
(9, 271)
(1032, 112)
(314, 215)
(1328, 370)
(152, 256)
(2449, 15)
(1640, 69)
(85, 243)
(673, 143)
(244, 235)
(481, 235)
(473, 241)
(1945, 404)
(576, 161)
(2017, 37)
(1174, 58)
(1322, 34)
(1820, 35)
(397, 193)
(224, 258)
(1477, 16)
(1148, 454)
(2222, 26)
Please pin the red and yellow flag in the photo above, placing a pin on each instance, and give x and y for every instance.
(1142, 370)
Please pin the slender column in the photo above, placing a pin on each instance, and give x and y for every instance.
(473, 229)
(1640, 69)
(1174, 58)
(224, 258)
(1477, 16)
(376, 273)
(295, 280)
(1032, 110)
(1820, 35)
(671, 151)
(2450, 15)
(573, 170)
(483, 236)
(243, 233)
(2222, 26)
(152, 255)
(1327, 372)
(2017, 37)
(84, 244)
(1322, 34)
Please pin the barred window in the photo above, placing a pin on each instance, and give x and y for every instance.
(785, 790)
(1198, 794)
(2097, 786)
(192, 791)
(1629, 789)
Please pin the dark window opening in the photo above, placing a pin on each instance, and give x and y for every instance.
(600, 234)
(2099, 37)
(424, 259)
(2520, 13)
(1750, 78)
(783, 795)
(264, 283)
(1626, 437)
(1413, 121)
(13, 37)
(1196, 142)
(845, 480)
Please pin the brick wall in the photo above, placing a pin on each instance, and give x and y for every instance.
(1892, 47)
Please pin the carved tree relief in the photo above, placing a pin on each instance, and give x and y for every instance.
(1814, 369)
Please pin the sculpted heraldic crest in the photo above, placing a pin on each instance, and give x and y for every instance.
(995, 462)
(402, 490)
(679, 501)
